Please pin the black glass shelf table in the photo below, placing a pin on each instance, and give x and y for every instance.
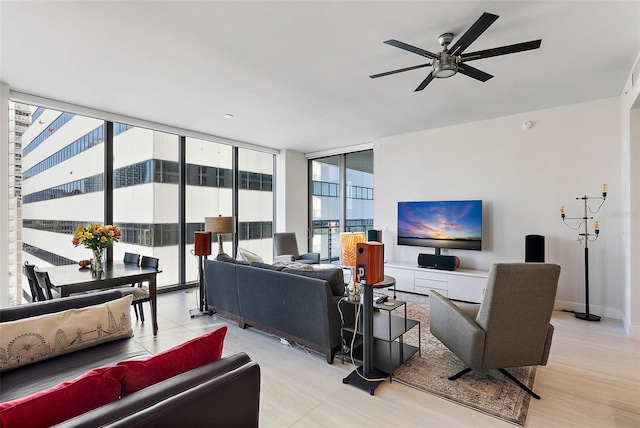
(378, 340)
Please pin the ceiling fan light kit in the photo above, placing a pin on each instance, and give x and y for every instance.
(445, 67)
(451, 61)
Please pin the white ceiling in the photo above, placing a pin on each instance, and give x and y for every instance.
(295, 73)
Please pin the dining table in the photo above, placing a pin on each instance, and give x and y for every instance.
(69, 279)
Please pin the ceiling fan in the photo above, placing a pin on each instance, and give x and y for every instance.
(452, 60)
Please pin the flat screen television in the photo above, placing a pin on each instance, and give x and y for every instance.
(441, 224)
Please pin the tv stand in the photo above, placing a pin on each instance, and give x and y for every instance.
(461, 284)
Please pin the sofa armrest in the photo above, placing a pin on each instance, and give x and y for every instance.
(456, 329)
(223, 393)
(314, 257)
(284, 258)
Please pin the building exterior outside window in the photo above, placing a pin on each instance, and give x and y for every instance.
(59, 182)
(340, 204)
(19, 122)
(63, 163)
(209, 193)
(255, 202)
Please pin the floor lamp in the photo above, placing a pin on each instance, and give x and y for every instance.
(586, 237)
(202, 248)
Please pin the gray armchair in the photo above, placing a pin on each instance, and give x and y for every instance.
(285, 249)
(510, 328)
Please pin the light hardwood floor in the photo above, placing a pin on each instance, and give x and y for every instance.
(592, 379)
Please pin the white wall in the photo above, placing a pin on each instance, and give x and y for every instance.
(630, 126)
(292, 195)
(523, 177)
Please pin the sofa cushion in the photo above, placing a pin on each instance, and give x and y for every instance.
(13, 313)
(293, 265)
(64, 401)
(266, 266)
(37, 338)
(32, 378)
(182, 358)
(247, 256)
(222, 257)
(335, 277)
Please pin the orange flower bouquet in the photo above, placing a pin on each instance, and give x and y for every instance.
(96, 237)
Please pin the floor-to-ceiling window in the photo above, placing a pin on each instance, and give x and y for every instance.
(359, 191)
(209, 193)
(145, 196)
(19, 121)
(341, 200)
(325, 207)
(62, 182)
(255, 202)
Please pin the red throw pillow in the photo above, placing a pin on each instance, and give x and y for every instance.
(187, 356)
(64, 401)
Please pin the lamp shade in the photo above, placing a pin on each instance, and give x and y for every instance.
(219, 225)
(348, 241)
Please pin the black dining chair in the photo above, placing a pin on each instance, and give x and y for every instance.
(36, 292)
(131, 258)
(140, 294)
(45, 284)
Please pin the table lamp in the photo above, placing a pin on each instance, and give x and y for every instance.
(219, 226)
(348, 242)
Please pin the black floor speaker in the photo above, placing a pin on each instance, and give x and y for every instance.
(374, 235)
(433, 261)
(534, 248)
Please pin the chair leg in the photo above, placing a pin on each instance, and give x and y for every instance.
(141, 312)
(461, 373)
(504, 372)
(520, 384)
(135, 309)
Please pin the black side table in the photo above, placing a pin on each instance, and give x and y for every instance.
(366, 377)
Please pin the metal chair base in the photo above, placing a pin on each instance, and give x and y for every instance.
(504, 372)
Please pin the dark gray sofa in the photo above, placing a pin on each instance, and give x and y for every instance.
(298, 308)
(225, 392)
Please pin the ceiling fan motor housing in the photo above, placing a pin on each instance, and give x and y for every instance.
(445, 39)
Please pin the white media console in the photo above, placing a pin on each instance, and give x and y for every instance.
(461, 284)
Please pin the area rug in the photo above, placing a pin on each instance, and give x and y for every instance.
(487, 391)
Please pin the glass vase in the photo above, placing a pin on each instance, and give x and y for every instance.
(97, 266)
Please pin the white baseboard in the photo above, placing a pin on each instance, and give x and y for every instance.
(602, 311)
(632, 330)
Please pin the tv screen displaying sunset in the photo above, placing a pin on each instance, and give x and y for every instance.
(441, 224)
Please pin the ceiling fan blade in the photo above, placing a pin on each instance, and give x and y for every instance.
(400, 70)
(424, 83)
(467, 70)
(503, 50)
(472, 33)
(407, 47)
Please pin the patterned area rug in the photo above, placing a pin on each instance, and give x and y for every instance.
(487, 391)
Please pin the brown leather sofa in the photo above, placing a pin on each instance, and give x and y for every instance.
(223, 393)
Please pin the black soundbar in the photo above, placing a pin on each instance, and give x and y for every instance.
(432, 261)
